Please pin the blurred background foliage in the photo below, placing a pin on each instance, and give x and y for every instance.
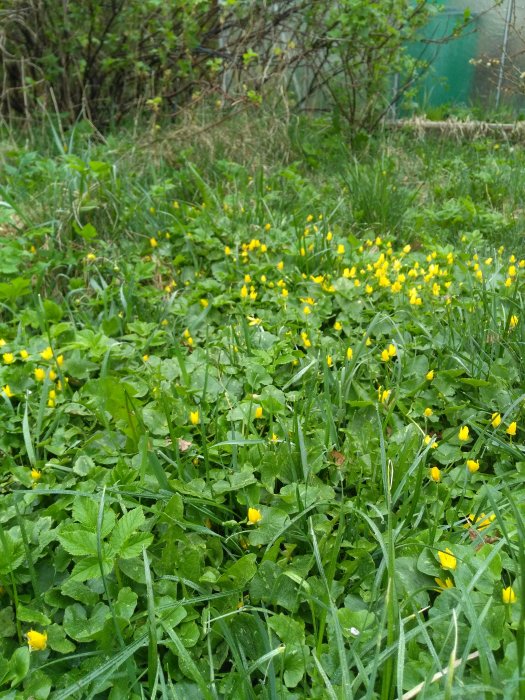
(107, 60)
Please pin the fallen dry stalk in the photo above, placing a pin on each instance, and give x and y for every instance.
(458, 128)
(436, 677)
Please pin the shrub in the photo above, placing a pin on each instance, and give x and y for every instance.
(103, 60)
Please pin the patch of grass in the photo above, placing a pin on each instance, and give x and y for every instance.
(262, 435)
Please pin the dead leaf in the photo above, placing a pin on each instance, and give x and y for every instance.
(338, 458)
(184, 445)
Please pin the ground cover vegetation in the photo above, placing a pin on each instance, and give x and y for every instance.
(262, 416)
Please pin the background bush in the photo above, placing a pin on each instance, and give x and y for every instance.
(103, 59)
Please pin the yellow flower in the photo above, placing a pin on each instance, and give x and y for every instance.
(480, 522)
(508, 595)
(2, 342)
(385, 357)
(60, 360)
(349, 353)
(254, 516)
(47, 354)
(36, 641)
(194, 417)
(428, 440)
(244, 291)
(35, 474)
(472, 465)
(392, 351)
(329, 360)
(463, 434)
(307, 310)
(40, 374)
(90, 257)
(429, 376)
(338, 326)
(274, 439)
(7, 391)
(153, 242)
(204, 303)
(340, 249)
(514, 320)
(511, 430)
(447, 559)
(227, 250)
(258, 412)
(447, 583)
(496, 419)
(306, 341)
(24, 354)
(384, 394)
(8, 358)
(52, 375)
(145, 358)
(280, 265)
(428, 412)
(435, 474)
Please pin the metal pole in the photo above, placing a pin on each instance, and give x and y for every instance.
(510, 8)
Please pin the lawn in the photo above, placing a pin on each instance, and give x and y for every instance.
(262, 419)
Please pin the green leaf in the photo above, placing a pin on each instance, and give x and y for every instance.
(78, 541)
(134, 546)
(38, 686)
(79, 627)
(12, 553)
(83, 465)
(88, 231)
(274, 522)
(18, 666)
(25, 614)
(239, 573)
(85, 511)
(7, 624)
(89, 568)
(289, 630)
(56, 640)
(53, 312)
(125, 604)
(272, 587)
(18, 287)
(125, 527)
(78, 591)
(295, 664)
(272, 399)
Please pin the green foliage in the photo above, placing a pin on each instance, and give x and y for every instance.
(231, 402)
(105, 60)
